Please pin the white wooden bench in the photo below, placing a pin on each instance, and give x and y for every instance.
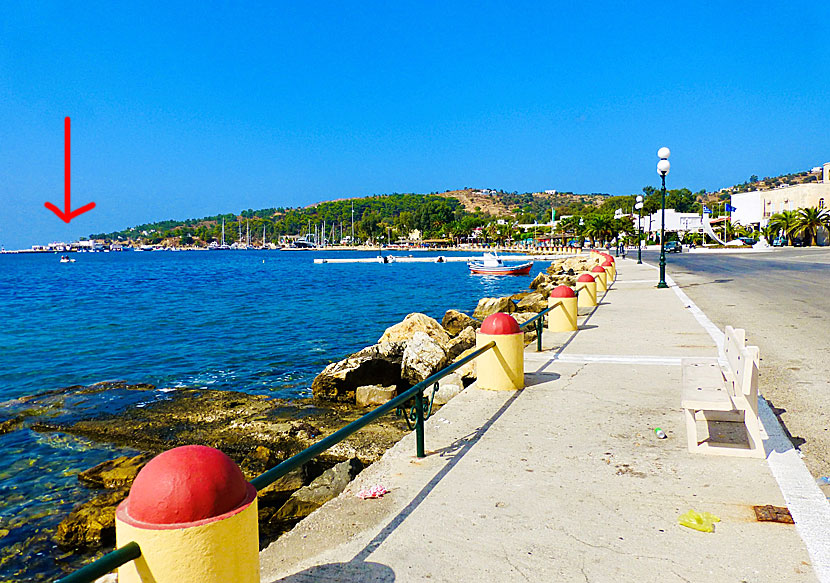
(712, 393)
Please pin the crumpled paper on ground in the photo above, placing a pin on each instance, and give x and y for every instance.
(373, 492)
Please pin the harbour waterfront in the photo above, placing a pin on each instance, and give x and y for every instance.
(255, 321)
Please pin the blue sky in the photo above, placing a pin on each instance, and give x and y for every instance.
(191, 109)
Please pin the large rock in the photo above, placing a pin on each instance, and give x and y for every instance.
(455, 321)
(465, 340)
(571, 266)
(273, 496)
(530, 331)
(91, 525)
(448, 387)
(117, 473)
(375, 365)
(467, 372)
(522, 317)
(422, 357)
(415, 322)
(327, 486)
(487, 306)
(540, 279)
(535, 302)
(374, 395)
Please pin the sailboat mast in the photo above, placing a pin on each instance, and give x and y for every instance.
(223, 230)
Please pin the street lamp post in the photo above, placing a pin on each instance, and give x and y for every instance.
(639, 207)
(663, 167)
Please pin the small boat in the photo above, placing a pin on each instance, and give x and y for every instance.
(492, 264)
(66, 259)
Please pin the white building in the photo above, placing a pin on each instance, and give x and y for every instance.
(674, 222)
(756, 207)
(748, 208)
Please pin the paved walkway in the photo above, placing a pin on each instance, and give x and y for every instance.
(565, 480)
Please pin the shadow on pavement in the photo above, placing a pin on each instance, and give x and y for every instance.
(797, 442)
(341, 573)
(455, 452)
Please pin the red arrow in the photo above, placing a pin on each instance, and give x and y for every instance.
(67, 214)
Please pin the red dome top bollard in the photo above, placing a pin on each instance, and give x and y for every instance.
(194, 516)
(563, 316)
(503, 367)
(601, 278)
(586, 289)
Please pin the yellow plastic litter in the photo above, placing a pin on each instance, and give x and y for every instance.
(702, 521)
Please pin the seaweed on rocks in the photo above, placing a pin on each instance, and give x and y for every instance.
(256, 431)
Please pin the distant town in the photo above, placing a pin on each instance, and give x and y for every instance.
(768, 207)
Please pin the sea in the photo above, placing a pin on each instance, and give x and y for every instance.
(261, 322)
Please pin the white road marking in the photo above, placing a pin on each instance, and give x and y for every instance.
(605, 359)
(807, 504)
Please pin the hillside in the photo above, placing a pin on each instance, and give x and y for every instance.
(500, 203)
(379, 216)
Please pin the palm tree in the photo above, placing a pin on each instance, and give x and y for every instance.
(491, 231)
(784, 222)
(808, 222)
(769, 233)
(600, 227)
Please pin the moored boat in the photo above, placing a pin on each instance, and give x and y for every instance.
(492, 264)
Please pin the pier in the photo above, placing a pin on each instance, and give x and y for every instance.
(440, 259)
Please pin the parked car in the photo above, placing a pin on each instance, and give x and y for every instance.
(748, 240)
(780, 242)
(674, 247)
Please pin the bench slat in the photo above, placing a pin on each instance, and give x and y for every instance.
(704, 386)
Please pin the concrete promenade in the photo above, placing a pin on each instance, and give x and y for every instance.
(566, 481)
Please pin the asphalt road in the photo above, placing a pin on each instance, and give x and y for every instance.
(782, 299)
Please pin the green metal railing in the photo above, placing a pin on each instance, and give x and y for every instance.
(102, 566)
(420, 407)
(539, 321)
(413, 399)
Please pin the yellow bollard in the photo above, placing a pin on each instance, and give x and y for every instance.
(609, 271)
(194, 516)
(586, 289)
(501, 368)
(606, 257)
(563, 317)
(600, 277)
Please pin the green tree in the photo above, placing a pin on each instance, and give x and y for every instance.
(808, 221)
(785, 223)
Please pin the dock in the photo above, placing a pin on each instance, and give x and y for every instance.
(438, 259)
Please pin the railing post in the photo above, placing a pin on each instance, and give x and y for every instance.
(539, 326)
(419, 423)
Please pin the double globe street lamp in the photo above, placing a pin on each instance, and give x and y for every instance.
(639, 207)
(663, 167)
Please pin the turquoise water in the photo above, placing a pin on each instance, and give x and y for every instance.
(261, 322)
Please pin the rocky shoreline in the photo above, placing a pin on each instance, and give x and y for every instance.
(258, 431)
